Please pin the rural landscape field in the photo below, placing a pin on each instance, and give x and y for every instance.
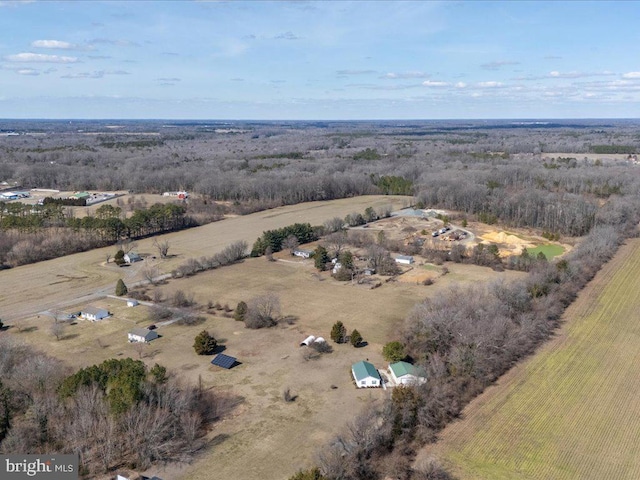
(459, 267)
(568, 412)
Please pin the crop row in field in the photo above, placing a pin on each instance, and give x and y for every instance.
(572, 410)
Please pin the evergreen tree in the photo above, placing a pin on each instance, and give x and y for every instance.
(355, 338)
(119, 258)
(338, 332)
(204, 343)
(321, 258)
(121, 288)
(241, 311)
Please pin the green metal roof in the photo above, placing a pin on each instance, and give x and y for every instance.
(403, 368)
(363, 370)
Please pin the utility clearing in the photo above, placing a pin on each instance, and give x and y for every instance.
(571, 411)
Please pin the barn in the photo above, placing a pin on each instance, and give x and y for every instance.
(365, 375)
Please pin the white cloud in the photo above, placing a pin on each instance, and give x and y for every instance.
(95, 74)
(116, 42)
(461, 85)
(497, 65)
(53, 44)
(489, 84)
(40, 58)
(430, 83)
(631, 75)
(405, 75)
(28, 71)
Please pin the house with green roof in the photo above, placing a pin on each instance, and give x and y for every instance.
(403, 373)
(365, 375)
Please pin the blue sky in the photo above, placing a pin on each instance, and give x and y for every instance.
(319, 60)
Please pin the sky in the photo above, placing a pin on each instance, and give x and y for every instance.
(326, 60)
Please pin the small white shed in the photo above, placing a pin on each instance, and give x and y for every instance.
(132, 302)
(404, 259)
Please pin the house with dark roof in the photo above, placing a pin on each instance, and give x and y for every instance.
(93, 313)
(365, 375)
(142, 335)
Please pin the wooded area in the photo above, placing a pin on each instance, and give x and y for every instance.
(492, 172)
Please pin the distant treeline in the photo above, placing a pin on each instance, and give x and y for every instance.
(30, 233)
(67, 202)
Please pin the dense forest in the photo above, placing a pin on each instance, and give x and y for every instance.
(493, 170)
(577, 179)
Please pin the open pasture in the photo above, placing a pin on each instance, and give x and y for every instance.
(283, 436)
(571, 411)
(62, 281)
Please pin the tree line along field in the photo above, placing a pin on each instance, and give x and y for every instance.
(61, 281)
(569, 412)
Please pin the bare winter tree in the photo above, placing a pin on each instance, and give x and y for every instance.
(290, 243)
(336, 241)
(162, 246)
(57, 329)
(151, 273)
(262, 311)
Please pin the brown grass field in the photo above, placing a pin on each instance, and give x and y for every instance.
(571, 411)
(62, 281)
(263, 436)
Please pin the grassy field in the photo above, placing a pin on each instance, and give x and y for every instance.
(263, 437)
(571, 411)
(64, 280)
(550, 251)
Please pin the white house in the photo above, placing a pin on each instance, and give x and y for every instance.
(404, 259)
(132, 257)
(142, 335)
(303, 253)
(365, 375)
(93, 313)
(403, 373)
(336, 267)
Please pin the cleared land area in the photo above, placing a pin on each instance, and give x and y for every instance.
(263, 436)
(62, 281)
(571, 411)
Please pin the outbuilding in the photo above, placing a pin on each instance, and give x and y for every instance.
(404, 373)
(307, 341)
(132, 302)
(404, 259)
(142, 335)
(132, 257)
(365, 375)
(303, 253)
(93, 313)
